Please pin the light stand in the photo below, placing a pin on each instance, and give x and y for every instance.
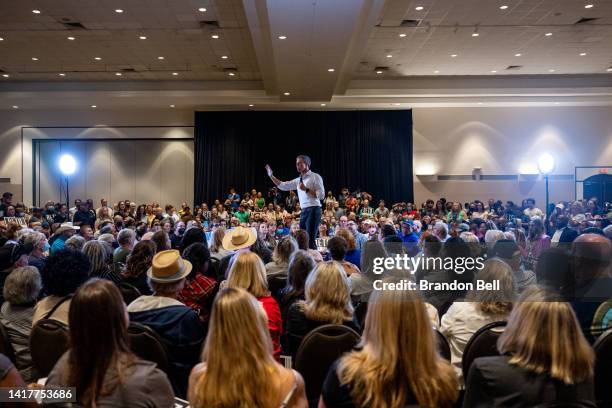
(546, 164)
(67, 165)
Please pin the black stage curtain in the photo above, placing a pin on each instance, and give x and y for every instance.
(367, 150)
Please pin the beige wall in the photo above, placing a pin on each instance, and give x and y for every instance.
(506, 141)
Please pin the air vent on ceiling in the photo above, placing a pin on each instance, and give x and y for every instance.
(586, 20)
(73, 25)
(410, 23)
(209, 24)
(514, 67)
(128, 70)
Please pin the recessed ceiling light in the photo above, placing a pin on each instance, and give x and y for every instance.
(609, 70)
(172, 106)
(418, 8)
(588, 6)
(143, 37)
(215, 36)
(1, 39)
(36, 11)
(453, 55)
(323, 104)
(175, 73)
(282, 37)
(62, 74)
(119, 11)
(5, 75)
(379, 72)
(330, 70)
(160, 58)
(15, 107)
(436, 72)
(97, 58)
(71, 38)
(231, 74)
(34, 59)
(396, 104)
(118, 73)
(551, 70)
(224, 57)
(582, 54)
(251, 105)
(493, 71)
(389, 56)
(503, 7)
(556, 103)
(518, 54)
(202, 9)
(480, 103)
(402, 35)
(94, 106)
(286, 93)
(548, 34)
(475, 34)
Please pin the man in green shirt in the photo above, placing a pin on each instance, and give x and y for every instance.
(242, 215)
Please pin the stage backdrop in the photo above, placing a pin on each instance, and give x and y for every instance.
(370, 150)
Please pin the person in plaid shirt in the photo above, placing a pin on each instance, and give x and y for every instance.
(200, 288)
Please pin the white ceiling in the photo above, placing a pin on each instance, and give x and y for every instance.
(352, 37)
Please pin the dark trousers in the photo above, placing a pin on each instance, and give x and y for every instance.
(310, 218)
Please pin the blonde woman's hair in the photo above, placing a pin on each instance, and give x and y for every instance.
(238, 348)
(327, 294)
(543, 336)
(217, 243)
(348, 236)
(284, 249)
(494, 302)
(398, 357)
(248, 272)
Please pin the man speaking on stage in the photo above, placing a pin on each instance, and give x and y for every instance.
(310, 192)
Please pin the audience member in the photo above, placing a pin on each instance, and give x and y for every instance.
(282, 253)
(12, 256)
(509, 252)
(200, 285)
(138, 263)
(126, 238)
(338, 247)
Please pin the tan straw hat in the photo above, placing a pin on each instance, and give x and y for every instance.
(168, 266)
(67, 226)
(239, 238)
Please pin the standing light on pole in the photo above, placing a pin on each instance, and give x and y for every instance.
(67, 165)
(546, 164)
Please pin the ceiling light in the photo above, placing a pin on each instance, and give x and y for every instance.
(231, 74)
(418, 8)
(609, 70)
(503, 7)
(330, 70)
(323, 104)
(142, 37)
(436, 72)
(1, 39)
(36, 11)
(282, 37)
(389, 56)
(475, 34)
(286, 93)
(556, 103)
(172, 106)
(518, 54)
(379, 72)
(251, 105)
(493, 71)
(202, 9)
(62, 74)
(548, 34)
(215, 36)
(453, 55)
(402, 35)
(175, 73)
(118, 73)
(71, 38)
(396, 104)
(224, 57)
(97, 58)
(5, 75)
(582, 54)
(15, 107)
(551, 70)
(160, 58)
(480, 103)
(118, 11)
(34, 59)
(588, 6)
(94, 106)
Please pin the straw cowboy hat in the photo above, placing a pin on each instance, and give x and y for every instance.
(67, 226)
(168, 267)
(239, 238)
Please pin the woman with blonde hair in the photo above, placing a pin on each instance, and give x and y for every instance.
(248, 272)
(480, 307)
(238, 368)
(327, 301)
(216, 247)
(545, 359)
(396, 364)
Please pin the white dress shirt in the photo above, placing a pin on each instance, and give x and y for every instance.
(312, 181)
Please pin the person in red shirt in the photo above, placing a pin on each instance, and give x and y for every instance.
(200, 286)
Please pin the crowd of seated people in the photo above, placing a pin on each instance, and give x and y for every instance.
(231, 287)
